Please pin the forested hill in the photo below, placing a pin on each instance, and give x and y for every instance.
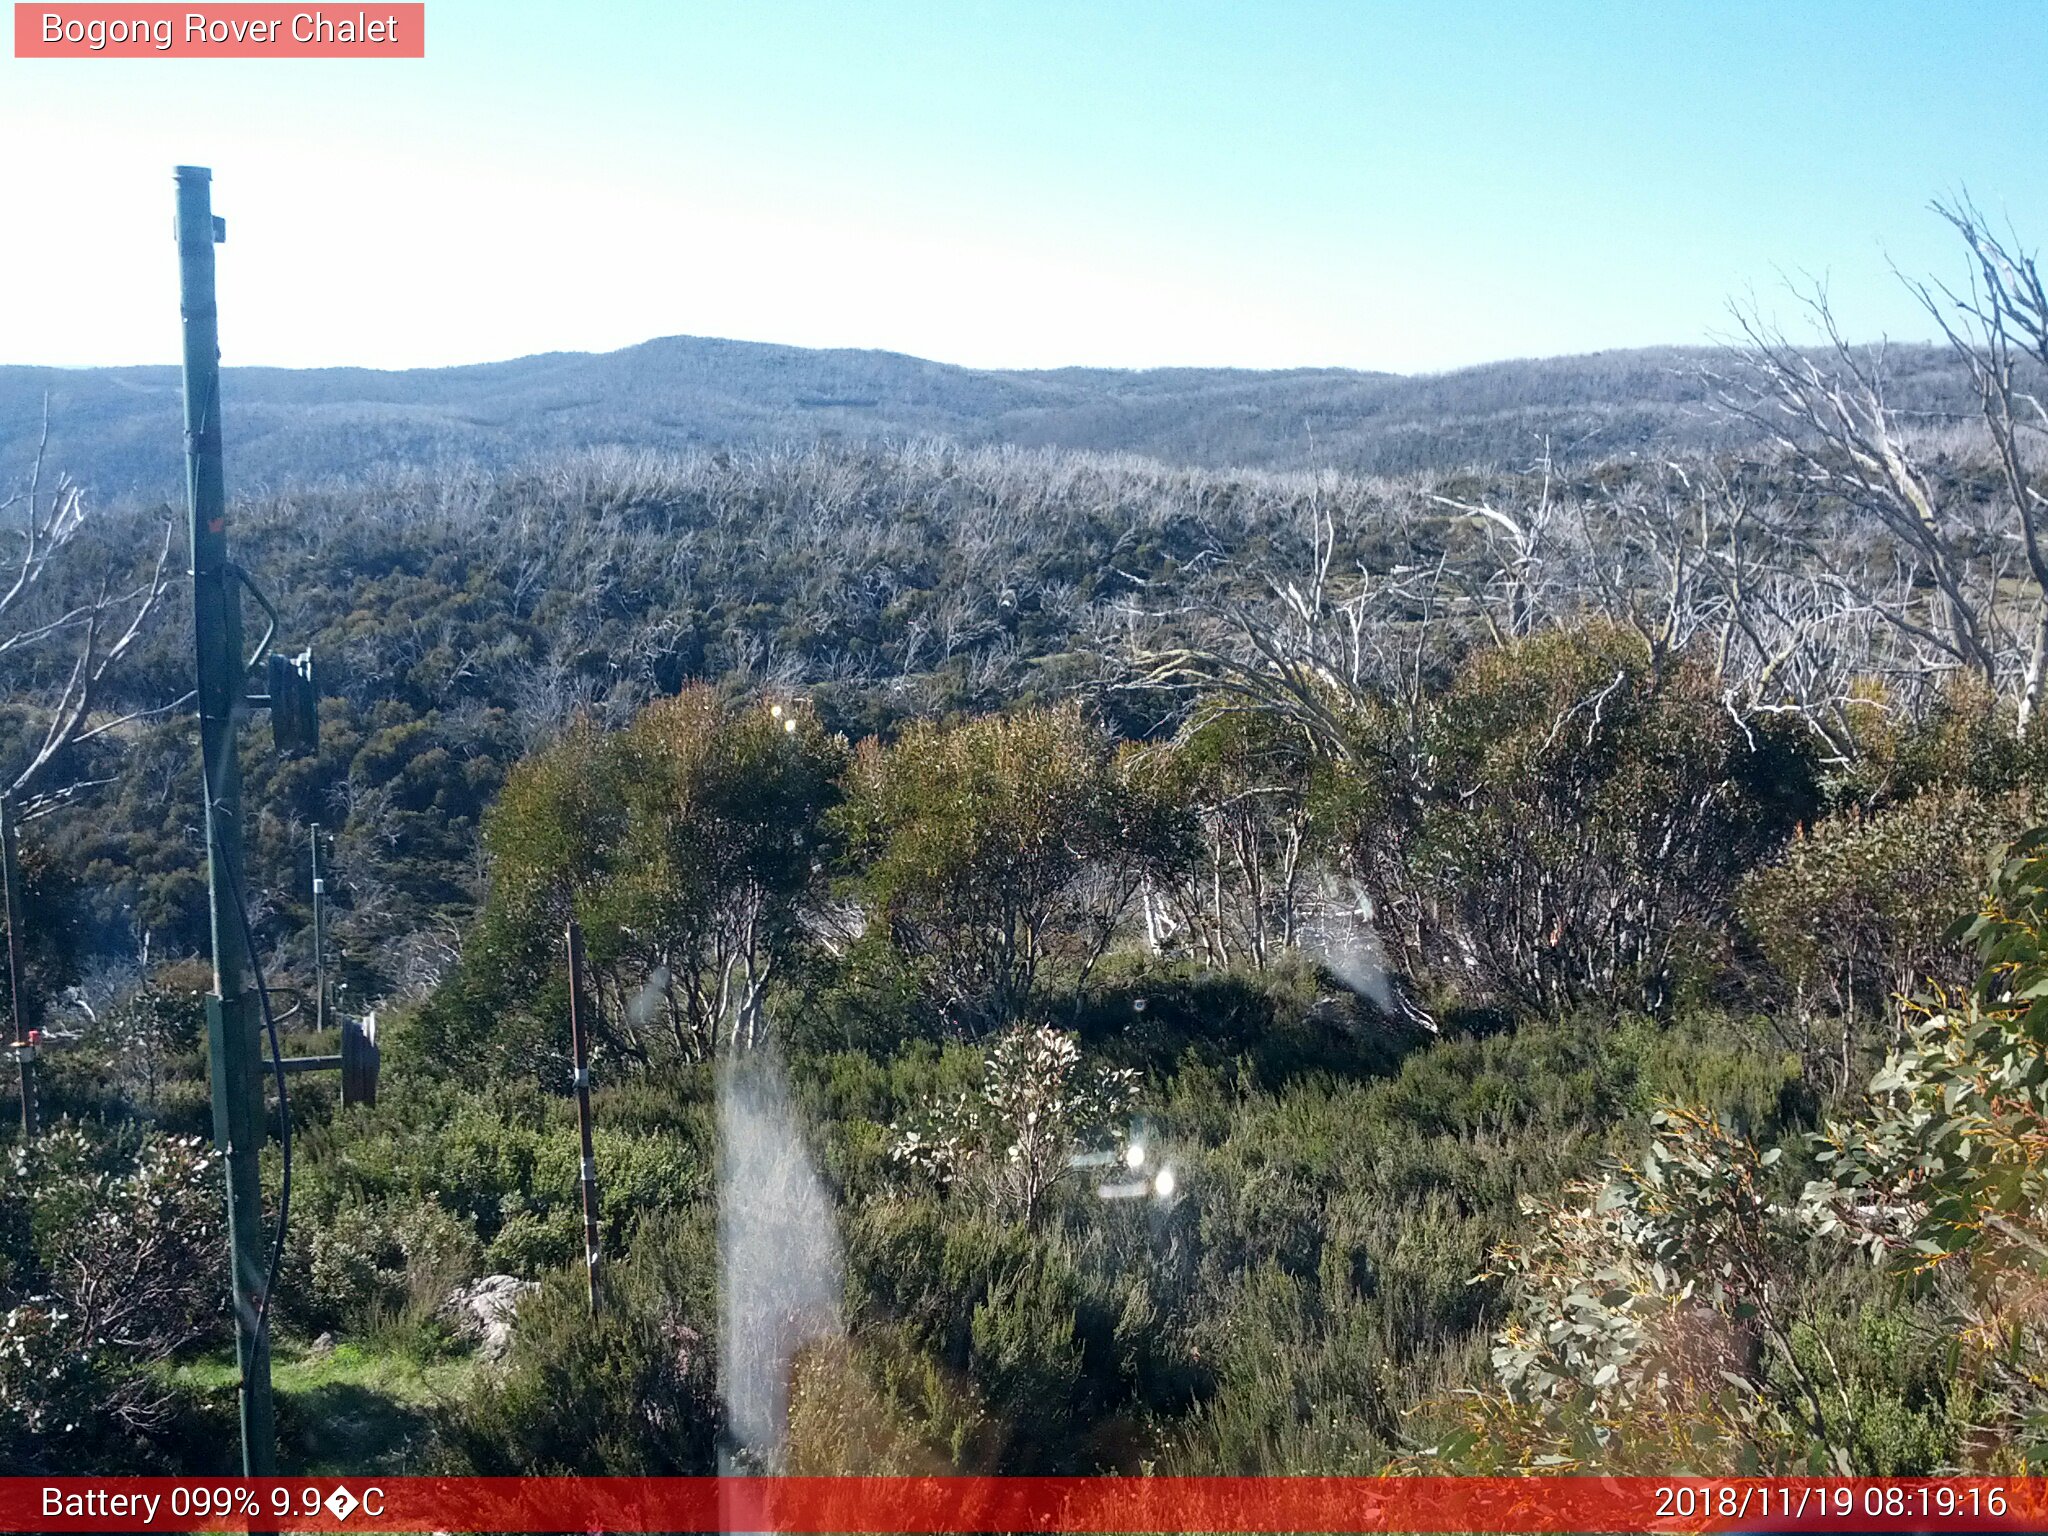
(118, 428)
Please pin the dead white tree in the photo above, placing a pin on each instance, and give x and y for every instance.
(1827, 411)
(1511, 597)
(1700, 562)
(1314, 647)
(97, 622)
(1998, 326)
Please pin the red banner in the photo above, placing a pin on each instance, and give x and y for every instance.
(221, 31)
(1065, 1504)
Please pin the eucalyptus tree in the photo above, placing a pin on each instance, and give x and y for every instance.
(691, 845)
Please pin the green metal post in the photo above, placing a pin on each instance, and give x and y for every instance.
(232, 1013)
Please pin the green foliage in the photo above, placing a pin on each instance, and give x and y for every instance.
(990, 853)
(1244, 806)
(142, 1056)
(1678, 1306)
(690, 845)
(1900, 1407)
(1307, 1383)
(1657, 1289)
(110, 1263)
(1552, 835)
(1963, 739)
(1023, 1354)
(1858, 910)
(632, 1392)
(53, 936)
(1263, 1027)
(1013, 1140)
(997, 1347)
(1861, 910)
(366, 1264)
(1953, 1151)
(394, 1208)
(1945, 1171)
(1584, 814)
(1679, 1316)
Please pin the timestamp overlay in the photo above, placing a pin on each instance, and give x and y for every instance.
(969, 1504)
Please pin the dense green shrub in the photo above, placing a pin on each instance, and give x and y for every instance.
(993, 854)
(692, 847)
(140, 1058)
(53, 938)
(1943, 1171)
(1585, 811)
(1023, 1355)
(632, 1392)
(1288, 1020)
(109, 1266)
(1859, 910)
(365, 1264)
(393, 1209)
(1010, 1140)
(1693, 1307)
(1962, 739)
(1242, 835)
(1679, 1315)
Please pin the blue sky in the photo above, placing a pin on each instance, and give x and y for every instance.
(1268, 183)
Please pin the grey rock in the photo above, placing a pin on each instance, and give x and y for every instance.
(484, 1310)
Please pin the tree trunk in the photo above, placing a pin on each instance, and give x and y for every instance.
(2030, 689)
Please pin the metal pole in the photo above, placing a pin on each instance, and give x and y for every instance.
(17, 988)
(231, 1013)
(579, 1045)
(319, 937)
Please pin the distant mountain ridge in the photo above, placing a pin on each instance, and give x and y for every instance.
(119, 429)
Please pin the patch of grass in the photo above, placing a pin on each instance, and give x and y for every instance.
(347, 1410)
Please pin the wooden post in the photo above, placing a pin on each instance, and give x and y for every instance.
(319, 936)
(24, 1045)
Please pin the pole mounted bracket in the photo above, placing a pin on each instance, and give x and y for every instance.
(359, 1063)
(360, 1060)
(220, 235)
(292, 697)
(248, 584)
(294, 704)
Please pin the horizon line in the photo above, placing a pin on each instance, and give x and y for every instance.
(1110, 368)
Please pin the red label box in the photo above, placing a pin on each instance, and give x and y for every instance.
(960, 1506)
(222, 31)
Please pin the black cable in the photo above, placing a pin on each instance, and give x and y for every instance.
(284, 1103)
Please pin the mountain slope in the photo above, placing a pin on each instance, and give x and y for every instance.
(118, 429)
